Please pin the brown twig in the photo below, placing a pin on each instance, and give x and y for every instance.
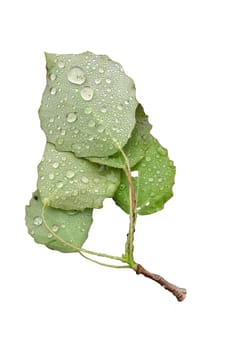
(179, 293)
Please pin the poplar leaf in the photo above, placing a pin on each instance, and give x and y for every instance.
(136, 146)
(71, 183)
(71, 226)
(88, 106)
(153, 181)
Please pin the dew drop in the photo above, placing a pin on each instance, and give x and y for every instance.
(55, 228)
(53, 76)
(50, 235)
(148, 159)
(120, 107)
(84, 179)
(53, 91)
(76, 75)
(87, 93)
(55, 165)
(37, 220)
(100, 128)
(101, 70)
(108, 81)
(60, 141)
(103, 109)
(51, 176)
(69, 174)
(87, 110)
(97, 81)
(71, 117)
(91, 123)
(150, 179)
(61, 64)
(59, 184)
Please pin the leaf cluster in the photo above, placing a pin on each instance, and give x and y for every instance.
(92, 121)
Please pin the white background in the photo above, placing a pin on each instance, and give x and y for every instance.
(180, 55)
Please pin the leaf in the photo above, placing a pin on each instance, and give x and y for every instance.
(136, 146)
(71, 183)
(154, 182)
(71, 226)
(88, 106)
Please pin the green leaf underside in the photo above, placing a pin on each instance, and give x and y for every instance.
(71, 226)
(154, 182)
(136, 146)
(88, 106)
(71, 183)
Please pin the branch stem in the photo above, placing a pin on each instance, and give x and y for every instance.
(179, 293)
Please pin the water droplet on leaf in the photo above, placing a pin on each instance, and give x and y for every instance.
(87, 110)
(71, 117)
(100, 128)
(103, 109)
(37, 220)
(76, 75)
(97, 81)
(53, 77)
(59, 184)
(120, 107)
(55, 228)
(91, 123)
(87, 93)
(84, 179)
(55, 165)
(53, 91)
(70, 174)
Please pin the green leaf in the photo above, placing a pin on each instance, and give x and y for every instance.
(71, 183)
(136, 146)
(71, 226)
(88, 106)
(153, 183)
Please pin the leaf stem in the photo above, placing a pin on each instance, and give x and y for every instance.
(129, 246)
(103, 264)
